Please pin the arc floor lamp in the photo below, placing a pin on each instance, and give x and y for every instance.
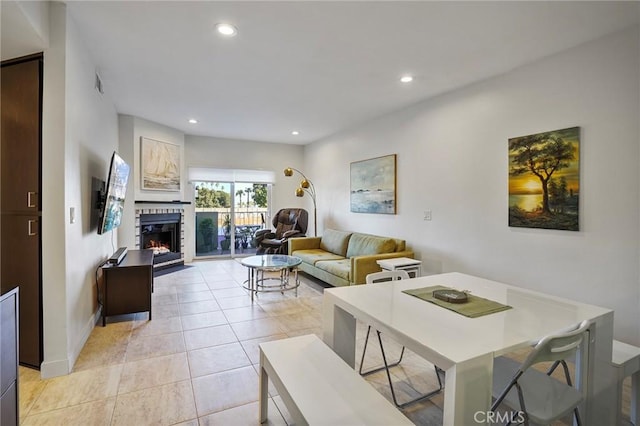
(305, 186)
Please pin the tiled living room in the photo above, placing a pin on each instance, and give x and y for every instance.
(196, 362)
(317, 87)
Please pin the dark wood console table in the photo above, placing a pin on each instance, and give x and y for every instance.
(127, 287)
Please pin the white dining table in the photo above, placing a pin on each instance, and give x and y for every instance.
(465, 347)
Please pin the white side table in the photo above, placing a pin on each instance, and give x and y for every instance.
(412, 266)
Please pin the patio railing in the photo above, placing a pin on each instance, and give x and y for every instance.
(211, 238)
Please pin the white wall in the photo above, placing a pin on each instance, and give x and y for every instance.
(131, 129)
(37, 13)
(79, 134)
(239, 154)
(25, 28)
(54, 303)
(200, 151)
(151, 130)
(91, 137)
(452, 159)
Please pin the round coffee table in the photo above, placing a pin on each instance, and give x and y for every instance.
(257, 265)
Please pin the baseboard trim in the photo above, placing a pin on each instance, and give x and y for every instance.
(62, 367)
(86, 332)
(49, 369)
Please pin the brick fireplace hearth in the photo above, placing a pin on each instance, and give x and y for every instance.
(161, 229)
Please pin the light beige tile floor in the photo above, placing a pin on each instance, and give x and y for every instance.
(196, 363)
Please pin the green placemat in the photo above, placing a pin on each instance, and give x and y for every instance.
(473, 308)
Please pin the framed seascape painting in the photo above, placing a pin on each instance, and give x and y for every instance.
(160, 165)
(544, 180)
(373, 185)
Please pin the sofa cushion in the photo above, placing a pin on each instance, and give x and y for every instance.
(362, 244)
(339, 268)
(335, 241)
(311, 256)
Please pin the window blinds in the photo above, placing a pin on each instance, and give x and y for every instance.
(203, 174)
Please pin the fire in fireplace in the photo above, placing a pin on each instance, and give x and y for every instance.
(158, 247)
(161, 232)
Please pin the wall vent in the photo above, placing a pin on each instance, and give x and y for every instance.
(98, 85)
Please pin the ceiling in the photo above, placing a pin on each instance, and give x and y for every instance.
(316, 67)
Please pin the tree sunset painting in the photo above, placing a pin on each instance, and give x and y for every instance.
(544, 180)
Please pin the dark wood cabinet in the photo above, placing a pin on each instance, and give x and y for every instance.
(127, 287)
(21, 239)
(21, 137)
(20, 189)
(9, 358)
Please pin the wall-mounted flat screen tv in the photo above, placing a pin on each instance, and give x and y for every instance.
(113, 205)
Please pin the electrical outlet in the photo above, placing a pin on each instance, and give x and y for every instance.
(427, 215)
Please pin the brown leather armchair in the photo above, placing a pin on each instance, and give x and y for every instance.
(289, 223)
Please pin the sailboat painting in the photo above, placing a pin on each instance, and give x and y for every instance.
(160, 165)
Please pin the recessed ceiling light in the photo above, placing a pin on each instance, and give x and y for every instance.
(193, 121)
(295, 133)
(226, 30)
(406, 79)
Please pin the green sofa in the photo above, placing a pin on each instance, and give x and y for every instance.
(343, 258)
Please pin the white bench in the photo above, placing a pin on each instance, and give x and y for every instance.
(626, 360)
(319, 388)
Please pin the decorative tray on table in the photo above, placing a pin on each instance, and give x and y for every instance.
(451, 296)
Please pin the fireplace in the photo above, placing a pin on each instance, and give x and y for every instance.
(162, 232)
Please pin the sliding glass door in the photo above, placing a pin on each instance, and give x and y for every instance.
(249, 215)
(227, 216)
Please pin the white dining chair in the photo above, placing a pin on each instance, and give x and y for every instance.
(385, 276)
(538, 397)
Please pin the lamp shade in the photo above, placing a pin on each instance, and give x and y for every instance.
(299, 192)
(288, 172)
